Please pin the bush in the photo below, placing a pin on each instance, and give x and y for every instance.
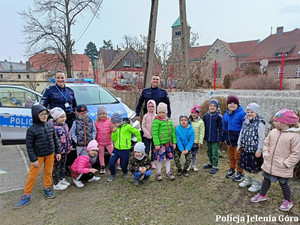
(227, 81)
(251, 69)
(222, 105)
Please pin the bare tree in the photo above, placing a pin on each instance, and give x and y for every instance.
(49, 23)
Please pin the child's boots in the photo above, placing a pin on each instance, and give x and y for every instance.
(246, 182)
(255, 187)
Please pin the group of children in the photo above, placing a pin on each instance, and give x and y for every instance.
(243, 132)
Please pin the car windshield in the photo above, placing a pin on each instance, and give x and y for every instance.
(93, 95)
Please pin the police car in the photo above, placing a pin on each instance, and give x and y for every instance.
(15, 120)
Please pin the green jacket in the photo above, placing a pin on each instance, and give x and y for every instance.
(163, 131)
(122, 136)
(199, 130)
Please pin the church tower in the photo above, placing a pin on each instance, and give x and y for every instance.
(176, 36)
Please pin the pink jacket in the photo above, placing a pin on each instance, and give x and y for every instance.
(148, 120)
(281, 152)
(81, 164)
(103, 128)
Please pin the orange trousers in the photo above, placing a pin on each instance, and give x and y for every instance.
(34, 172)
(234, 157)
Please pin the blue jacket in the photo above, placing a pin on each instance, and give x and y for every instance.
(213, 127)
(55, 96)
(232, 125)
(157, 94)
(185, 137)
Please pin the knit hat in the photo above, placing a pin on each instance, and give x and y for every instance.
(215, 102)
(162, 107)
(196, 109)
(183, 115)
(13, 100)
(101, 109)
(286, 116)
(57, 112)
(81, 108)
(140, 147)
(116, 118)
(93, 145)
(254, 107)
(233, 98)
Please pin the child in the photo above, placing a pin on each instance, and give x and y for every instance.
(185, 140)
(147, 129)
(81, 169)
(62, 131)
(232, 125)
(213, 135)
(198, 126)
(281, 152)
(250, 142)
(104, 129)
(41, 144)
(83, 129)
(164, 139)
(121, 136)
(140, 164)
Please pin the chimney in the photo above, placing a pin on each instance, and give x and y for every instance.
(21, 62)
(279, 30)
(28, 66)
(140, 52)
(10, 68)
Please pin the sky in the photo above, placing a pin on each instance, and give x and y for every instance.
(230, 21)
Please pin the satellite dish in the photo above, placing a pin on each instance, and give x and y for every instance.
(263, 65)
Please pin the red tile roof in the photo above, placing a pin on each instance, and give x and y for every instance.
(107, 56)
(242, 48)
(198, 52)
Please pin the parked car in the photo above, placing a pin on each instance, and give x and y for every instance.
(14, 121)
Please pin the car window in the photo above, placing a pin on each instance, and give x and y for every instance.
(93, 95)
(17, 97)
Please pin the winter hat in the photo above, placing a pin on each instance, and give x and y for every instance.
(93, 145)
(81, 108)
(215, 102)
(101, 109)
(162, 107)
(116, 118)
(254, 107)
(196, 109)
(233, 98)
(140, 147)
(286, 116)
(13, 100)
(183, 115)
(57, 112)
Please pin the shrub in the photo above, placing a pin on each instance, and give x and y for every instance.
(251, 69)
(227, 81)
(222, 105)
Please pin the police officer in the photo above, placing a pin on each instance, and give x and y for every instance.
(61, 96)
(155, 93)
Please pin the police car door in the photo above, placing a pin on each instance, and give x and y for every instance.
(15, 112)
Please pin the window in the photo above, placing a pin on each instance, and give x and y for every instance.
(218, 72)
(137, 64)
(1, 76)
(279, 54)
(177, 33)
(279, 71)
(126, 63)
(27, 76)
(298, 71)
(19, 76)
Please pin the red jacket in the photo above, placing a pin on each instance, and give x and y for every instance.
(103, 128)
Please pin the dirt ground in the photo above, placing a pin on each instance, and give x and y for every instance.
(201, 198)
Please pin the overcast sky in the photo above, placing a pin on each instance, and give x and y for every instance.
(230, 21)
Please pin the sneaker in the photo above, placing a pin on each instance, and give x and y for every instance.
(25, 200)
(94, 178)
(49, 193)
(185, 173)
(65, 182)
(111, 178)
(136, 182)
(170, 176)
(145, 180)
(207, 166)
(230, 173)
(102, 170)
(258, 198)
(188, 169)
(78, 183)
(286, 205)
(179, 172)
(153, 165)
(246, 182)
(214, 170)
(125, 175)
(59, 186)
(255, 187)
(159, 177)
(119, 168)
(238, 177)
(194, 168)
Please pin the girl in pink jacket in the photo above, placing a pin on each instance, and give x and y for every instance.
(81, 169)
(147, 129)
(281, 152)
(104, 129)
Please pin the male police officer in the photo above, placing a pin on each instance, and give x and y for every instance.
(155, 93)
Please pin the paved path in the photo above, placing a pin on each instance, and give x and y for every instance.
(15, 167)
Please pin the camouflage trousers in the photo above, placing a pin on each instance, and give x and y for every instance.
(188, 159)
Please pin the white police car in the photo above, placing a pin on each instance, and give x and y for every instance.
(15, 120)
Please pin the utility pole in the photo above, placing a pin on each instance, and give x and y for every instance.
(184, 45)
(150, 44)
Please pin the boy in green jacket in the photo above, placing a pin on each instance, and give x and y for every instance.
(164, 139)
(121, 136)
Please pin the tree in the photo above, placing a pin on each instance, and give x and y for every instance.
(92, 52)
(107, 44)
(49, 23)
